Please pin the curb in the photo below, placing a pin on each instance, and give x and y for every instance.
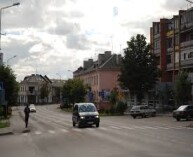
(6, 131)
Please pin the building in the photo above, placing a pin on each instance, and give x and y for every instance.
(100, 75)
(56, 90)
(30, 90)
(172, 43)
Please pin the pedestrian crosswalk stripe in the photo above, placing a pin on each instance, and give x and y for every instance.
(149, 127)
(102, 128)
(38, 132)
(51, 131)
(125, 127)
(64, 130)
(114, 127)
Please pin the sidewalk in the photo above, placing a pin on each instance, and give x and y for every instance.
(6, 130)
(16, 123)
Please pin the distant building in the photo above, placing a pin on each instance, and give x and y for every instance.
(30, 89)
(57, 85)
(100, 75)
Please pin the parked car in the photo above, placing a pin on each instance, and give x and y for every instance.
(142, 111)
(32, 108)
(85, 114)
(183, 112)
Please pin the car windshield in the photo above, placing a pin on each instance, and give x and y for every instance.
(135, 108)
(87, 108)
(181, 108)
(31, 105)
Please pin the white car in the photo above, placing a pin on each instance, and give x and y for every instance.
(32, 108)
(142, 111)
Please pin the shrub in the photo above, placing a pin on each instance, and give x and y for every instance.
(121, 107)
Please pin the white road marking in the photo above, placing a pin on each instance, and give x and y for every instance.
(102, 128)
(149, 127)
(125, 127)
(64, 130)
(51, 131)
(114, 127)
(160, 127)
(38, 132)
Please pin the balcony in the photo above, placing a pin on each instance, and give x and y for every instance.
(170, 33)
(186, 26)
(187, 43)
(170, 50)
(33, 92)
(156, 52)
(187, 63)
(170, 67)
(156, 36)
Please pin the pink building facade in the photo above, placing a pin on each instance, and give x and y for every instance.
(101, 75)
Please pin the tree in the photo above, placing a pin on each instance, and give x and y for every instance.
(74, 90)
(139, 71)
(182, 88)
(10, 84)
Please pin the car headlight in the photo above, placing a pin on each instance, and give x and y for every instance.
(96, 116)
(82, 117)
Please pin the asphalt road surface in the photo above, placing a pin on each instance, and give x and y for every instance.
(51, 134)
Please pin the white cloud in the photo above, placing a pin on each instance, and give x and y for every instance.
(55, 36)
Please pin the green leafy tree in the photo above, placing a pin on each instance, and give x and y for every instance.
(182, 88)
(139, 71)
(74, 90)
(11, 86)
(113, 100)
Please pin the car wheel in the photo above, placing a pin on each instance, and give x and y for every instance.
(134, 117)
(154, 114)
(74, 124)
(178, 119)
(97, 125)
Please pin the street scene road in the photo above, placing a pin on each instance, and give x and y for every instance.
(51, 133)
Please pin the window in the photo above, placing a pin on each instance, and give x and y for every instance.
(191, 36)
(157, 44)
(168, 59)
(169, 42)
(190, 55)
(156, 28)
(176, 39)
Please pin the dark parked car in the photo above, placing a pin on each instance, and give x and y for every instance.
(183, 112)
(142, 111)
(85, 114)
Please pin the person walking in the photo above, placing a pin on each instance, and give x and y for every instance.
(26, 111)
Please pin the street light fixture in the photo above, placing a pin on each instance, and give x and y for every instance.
(10, 59)
(14, 4)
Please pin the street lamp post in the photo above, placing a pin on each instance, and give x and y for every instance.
(10, 59)
(14, 4)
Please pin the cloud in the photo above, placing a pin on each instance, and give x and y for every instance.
(54, 36)
(175, 5)
(77, 41)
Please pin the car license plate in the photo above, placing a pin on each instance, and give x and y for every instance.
(90, 122)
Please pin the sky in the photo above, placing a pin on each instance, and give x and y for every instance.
(54, 37)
